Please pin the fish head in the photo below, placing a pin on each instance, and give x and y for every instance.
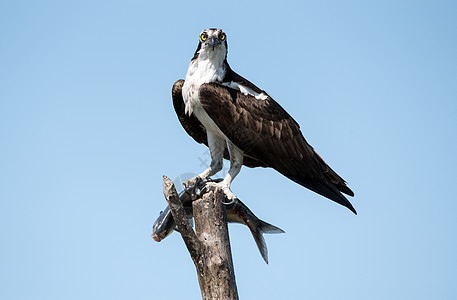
(163, 226)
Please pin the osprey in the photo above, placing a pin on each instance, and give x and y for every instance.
(240, 122)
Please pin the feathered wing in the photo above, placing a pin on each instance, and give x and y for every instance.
(267, 133)
(195, 129)
(191, 124)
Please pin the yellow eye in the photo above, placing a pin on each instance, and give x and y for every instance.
(222, 36)
(203, 36)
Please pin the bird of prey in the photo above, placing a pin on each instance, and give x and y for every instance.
(240, 122)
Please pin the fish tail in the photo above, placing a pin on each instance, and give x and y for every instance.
(257, 233)
(268, 228)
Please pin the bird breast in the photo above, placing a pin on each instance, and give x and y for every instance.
(200, 72)
(204, 69)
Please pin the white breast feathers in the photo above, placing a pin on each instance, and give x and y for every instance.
(208, 67)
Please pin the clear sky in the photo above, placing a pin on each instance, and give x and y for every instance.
(87, 130)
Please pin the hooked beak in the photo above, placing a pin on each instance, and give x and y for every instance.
(213, 42)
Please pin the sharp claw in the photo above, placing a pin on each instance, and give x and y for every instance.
(192, 183)
(209, 184)
(200, 191)
(232, 201)
(197, 191)
(206, 187)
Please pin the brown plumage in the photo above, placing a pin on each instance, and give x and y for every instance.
(265, 132)
(195, 129)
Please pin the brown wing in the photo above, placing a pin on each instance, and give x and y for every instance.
(266, 132)
(195, 129)
(191, 124)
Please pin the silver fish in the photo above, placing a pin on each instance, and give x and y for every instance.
(237, 212)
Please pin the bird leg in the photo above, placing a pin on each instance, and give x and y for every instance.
(236, 161)
(216, 149)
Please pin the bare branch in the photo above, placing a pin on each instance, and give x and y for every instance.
(217, 278)
(179, 214)
(210, 247)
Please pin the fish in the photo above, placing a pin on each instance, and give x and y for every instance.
(237, 212)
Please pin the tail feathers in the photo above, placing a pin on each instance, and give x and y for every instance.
(345, 189)
(327, 190)
(257, 233)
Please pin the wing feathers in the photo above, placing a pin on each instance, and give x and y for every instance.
(195, 129)
(265, 131)
(191, 124)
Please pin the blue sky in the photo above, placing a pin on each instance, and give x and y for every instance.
(87, 130)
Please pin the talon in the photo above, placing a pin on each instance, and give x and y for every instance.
(198, 192)
(205, 187)
(232, 201)
(212, 186)
(230, 196)
(191, 183)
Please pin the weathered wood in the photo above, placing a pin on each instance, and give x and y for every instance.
(179, 214)
(216, 276)
(210, 246)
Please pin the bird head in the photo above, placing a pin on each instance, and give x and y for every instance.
(212, 42)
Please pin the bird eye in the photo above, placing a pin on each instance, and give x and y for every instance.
(203, 36)
(222, 36)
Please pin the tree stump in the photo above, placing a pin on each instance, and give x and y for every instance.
(209, 246)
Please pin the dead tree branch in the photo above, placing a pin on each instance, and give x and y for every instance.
(179, 214)
(210, 246)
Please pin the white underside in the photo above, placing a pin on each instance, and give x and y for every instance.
(209, 67)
